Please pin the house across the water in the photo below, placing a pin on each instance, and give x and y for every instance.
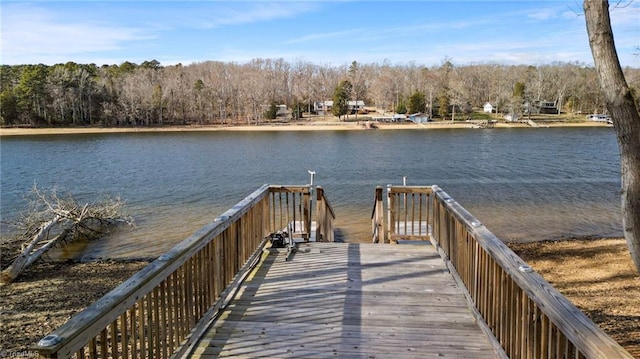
(324, 107)
(419, 117)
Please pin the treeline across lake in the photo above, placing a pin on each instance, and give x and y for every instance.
(149, 94)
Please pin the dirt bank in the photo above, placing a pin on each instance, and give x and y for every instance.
(598, 276)
(48, 294)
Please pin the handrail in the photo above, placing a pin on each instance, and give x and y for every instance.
(377, 217)
(528, 317)
(525, 316)
(325, 217)
(290, 206)
(154, 313)
(409, 212)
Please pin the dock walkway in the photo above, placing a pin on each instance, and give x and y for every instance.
(346, 300)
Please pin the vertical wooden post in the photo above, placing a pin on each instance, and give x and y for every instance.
(320, 215)
(378, 220)
(390, 217)
(306, 203)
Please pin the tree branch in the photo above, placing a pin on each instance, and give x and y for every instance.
(65, 220)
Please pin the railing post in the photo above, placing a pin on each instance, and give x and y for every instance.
(378, 220)
(324, 217)
(320, 213)
(390, 215)
(307, 213)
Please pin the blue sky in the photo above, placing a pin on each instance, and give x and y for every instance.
(322, 32)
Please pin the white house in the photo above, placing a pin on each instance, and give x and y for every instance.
(355, 106)
(281, 110)
(488, 108)
(320, 106)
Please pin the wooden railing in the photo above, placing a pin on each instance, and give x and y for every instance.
(325, 217)
(161, 310)
(377, 218)
(408, 214)
(522, 312)
(290, 207)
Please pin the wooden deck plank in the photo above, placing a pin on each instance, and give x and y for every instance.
(348, 300)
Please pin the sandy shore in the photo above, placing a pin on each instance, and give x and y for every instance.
(301, 126)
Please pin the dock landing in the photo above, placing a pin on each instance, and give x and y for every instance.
(348, 300)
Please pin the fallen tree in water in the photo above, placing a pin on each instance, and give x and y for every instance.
(53, 221)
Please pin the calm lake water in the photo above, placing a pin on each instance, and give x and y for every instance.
(524, 184)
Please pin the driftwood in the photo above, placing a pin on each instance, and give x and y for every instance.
(52, 221)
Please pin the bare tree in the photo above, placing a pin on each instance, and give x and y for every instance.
(359, 89)
(75, 94)
(53, 221)
(382, 88)
(623, 111)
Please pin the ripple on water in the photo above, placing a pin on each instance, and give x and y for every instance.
(524, 184)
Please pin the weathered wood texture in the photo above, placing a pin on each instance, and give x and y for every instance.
(339, 300)
(409, 212)
(290, 205)
(377, 218)
(528, 317)
(162, 308)
(325, 217)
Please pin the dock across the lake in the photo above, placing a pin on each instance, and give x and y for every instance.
(346, 300)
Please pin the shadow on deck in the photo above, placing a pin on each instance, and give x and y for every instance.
(348, 300)
(219, 293)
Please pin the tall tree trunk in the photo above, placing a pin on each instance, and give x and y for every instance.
(623, 111)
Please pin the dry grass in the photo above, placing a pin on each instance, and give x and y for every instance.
(598, 276)
(49, 294)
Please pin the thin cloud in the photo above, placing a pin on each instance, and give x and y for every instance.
(322, 36)
(377, 34)
(243, 13)
(35, 33)
(542, 14)
(626, 17)
(195, 31)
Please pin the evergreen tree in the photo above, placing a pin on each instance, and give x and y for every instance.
(127, 67)
(401, 108)
(272, 111)
(31, 93)
(341, 96)
(518, 90)
(153, 64)
(9, 108)
(518, 99)
(417, 102)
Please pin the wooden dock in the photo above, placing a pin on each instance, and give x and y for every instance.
(218, 293)
(345, 300)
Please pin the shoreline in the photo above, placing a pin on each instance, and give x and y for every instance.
(595, 274)
(302, 126)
